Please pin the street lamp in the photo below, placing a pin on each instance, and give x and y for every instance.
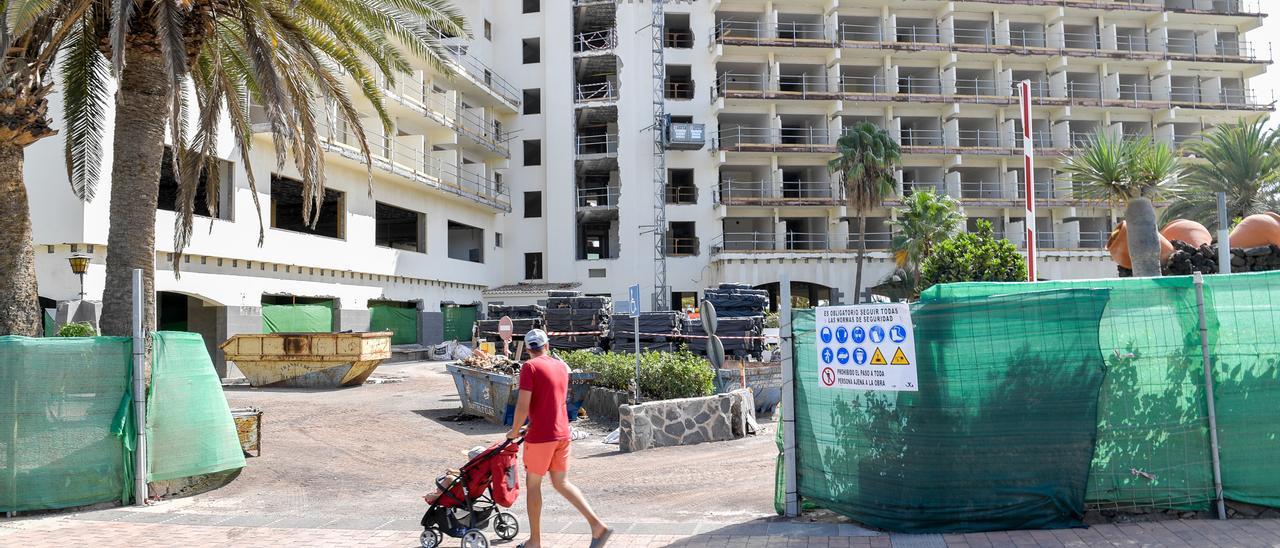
(80, 265)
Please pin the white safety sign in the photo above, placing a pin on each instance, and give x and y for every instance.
(866, 347)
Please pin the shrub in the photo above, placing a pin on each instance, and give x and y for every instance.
(77, 329)
(663, 375)
(973, 257)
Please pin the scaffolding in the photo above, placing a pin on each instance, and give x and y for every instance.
(661, 294)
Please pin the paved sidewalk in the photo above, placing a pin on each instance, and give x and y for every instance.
(125, 528)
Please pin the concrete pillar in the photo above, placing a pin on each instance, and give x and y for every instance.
(1002, 29)
(947, 29)
(352, 319)
(1211, 89)
(840, 235)
(430, 327)
(951, 133)
(1110, 84)
(1108, 35)
(947, 77)
(1207, 42)
(234, 320)
(1061, 134)
(891, 79)
(780, 236)
(1004, 83)
(1058, 84)
(1161, 87)
(951, 181)
(1055, 34)
(1158, 36)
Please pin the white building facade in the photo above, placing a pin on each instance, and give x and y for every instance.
(534, 167)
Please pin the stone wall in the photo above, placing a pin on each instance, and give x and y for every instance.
(688, 421)
(602, 404)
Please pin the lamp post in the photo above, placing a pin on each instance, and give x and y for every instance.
(79, 266)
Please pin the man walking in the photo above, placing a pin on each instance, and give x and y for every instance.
(544, 386)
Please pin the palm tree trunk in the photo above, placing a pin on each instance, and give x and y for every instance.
(862, 252)
(19, 308)
(1144, 238)
(142, 107)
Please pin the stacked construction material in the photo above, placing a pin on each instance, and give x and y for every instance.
(523, 319)
(742, 337)
(515, 312)
(585, 319)
(737, 301)
(659, 331)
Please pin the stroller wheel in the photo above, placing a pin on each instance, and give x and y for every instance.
(506, 526)
(475, 538)
(430, 538)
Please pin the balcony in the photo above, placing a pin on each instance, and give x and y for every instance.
(481, 75)
(786, 139)
(1035, 41)
(598, 197)
(758, 33)
(775, 193)
(415, 164)
(687, 246)
(758, 242)
(479, 128)
(603, 144)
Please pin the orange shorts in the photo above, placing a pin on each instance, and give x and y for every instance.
(539, 458)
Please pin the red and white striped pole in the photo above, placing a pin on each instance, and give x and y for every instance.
(1029, 176)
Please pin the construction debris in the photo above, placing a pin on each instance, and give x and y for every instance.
(479, 359)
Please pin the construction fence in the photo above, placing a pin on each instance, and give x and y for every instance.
(66, 423)
(1040, 401)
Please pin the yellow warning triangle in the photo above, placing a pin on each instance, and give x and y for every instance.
(899, 358)
(878, 358)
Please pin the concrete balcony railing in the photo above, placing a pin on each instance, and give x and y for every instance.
(779, 193)
(415, 164)
(1021, 41)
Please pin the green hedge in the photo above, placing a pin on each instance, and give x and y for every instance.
(663, 375)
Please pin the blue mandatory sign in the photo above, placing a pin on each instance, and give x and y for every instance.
(825, 334)
(877, 334)
(827, 355)
(859, 334)
(842, 356)
(897, 333)
(859, 356)
(842, 334)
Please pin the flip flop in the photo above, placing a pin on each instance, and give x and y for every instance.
(603, 538)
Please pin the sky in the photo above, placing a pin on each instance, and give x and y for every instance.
(1267, 86)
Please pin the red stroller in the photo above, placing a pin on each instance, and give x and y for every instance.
(467, 504)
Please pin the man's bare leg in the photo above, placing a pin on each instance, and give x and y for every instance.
(533, 499)
(570, 492)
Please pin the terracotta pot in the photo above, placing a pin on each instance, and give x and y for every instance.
(1187, 231)
(1118, 246)
(1257, 230)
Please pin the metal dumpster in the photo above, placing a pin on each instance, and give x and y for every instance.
(308, 360)
(493, 395)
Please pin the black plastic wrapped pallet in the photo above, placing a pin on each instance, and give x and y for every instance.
(590, 303)
(562, 293)
(573, 314)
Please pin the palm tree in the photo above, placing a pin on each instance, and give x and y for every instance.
(924, 219)
(866, 163)
(289, 56)
(1130, 170)
(1241, 160)
(28, 42)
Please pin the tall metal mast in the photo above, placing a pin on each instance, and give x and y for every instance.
(661, 293)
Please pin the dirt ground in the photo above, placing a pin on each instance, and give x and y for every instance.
(374, 450)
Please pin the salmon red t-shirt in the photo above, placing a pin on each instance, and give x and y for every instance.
(547, 378)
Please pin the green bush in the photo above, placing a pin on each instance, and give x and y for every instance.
(77, 329)
(973, 257)
(663, 375)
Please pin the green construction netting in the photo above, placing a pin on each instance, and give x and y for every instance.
(297, 318)
(402, 322)
(1245, 357)
(1153, 448)
(66, 431)
(1000, 435)
(189, 426)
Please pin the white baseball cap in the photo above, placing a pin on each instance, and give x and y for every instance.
(536, 339)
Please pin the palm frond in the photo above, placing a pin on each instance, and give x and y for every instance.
(86, 98)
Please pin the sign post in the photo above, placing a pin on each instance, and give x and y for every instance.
(505, 329)
(1029, 176)
(866, 347)
(633, 293)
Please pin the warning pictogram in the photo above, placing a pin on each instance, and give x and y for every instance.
(899, 358)
(878, 358)
(828, 376)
